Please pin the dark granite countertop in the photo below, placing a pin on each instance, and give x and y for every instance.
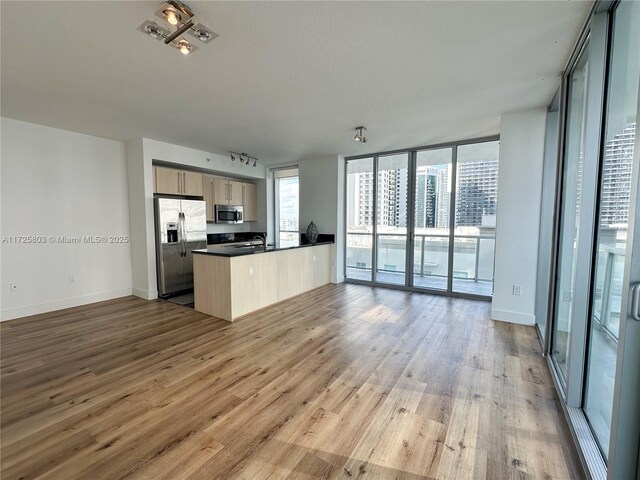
(237, 251)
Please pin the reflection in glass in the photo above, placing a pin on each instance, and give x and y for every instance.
(360, 218)
(475, 217)
(433, 198)
(613, 219)
(570, 212)
(393, 177)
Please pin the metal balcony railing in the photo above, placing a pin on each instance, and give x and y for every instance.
(423, 267)
(608, 289)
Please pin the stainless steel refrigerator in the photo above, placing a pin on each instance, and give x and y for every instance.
(181, 226)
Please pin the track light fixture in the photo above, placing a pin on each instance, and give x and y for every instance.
(246, 160)
(178, 20)
(359, 136)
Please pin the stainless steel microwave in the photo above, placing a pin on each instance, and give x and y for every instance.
(229, 214)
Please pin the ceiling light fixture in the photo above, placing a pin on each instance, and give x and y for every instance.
(153, 31)
(202, 34)
(359, 136)
(171, 16)
(246, 160)
(179, 20)
(184, 47)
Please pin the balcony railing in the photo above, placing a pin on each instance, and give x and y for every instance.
(288, 238)
(472, 259)
(608, 289)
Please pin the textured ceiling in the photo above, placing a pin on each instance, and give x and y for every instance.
(286, 80)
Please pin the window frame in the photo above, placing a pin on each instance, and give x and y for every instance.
(412, 152)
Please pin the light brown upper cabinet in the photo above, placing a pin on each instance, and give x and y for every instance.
(167, 180)
(177, 182)
(227, 192)
(250, 202)
(220, 191)
(192, 183)
(208, 188)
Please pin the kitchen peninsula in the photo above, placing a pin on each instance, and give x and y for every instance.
(232, 281)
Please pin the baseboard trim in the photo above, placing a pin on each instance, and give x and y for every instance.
(19, 312)
(145, 294)
(513, 317)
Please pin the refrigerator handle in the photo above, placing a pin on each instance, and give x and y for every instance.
(184, 236)
(180, 234)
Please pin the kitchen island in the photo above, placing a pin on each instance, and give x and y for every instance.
(230, 282)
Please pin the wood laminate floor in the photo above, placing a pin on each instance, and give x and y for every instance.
(344, 382)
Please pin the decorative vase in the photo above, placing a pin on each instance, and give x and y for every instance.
(312, 233)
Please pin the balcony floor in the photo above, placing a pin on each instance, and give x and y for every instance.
(460, 285)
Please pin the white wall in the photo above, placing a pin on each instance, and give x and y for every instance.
(141, 153)
(522, 136)
(322, 201)
(54, 183)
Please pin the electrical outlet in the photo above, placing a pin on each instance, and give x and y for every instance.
(517, 289)
(251, 271)
(566, 296)
(71, 279)
(314, 258)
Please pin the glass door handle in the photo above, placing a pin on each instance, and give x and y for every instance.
(635, 302)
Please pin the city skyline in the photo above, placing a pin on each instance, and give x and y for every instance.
(476, 197)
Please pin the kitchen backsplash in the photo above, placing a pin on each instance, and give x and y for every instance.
(214, 238)
(222, 228)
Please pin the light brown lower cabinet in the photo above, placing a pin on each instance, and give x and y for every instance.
(231, 287)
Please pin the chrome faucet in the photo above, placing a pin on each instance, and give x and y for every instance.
(262, 238)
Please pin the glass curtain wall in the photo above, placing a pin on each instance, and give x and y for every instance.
(414, 210)
(391, 218)
(613, 219)
(360, 219)
(432, 220)
(475, 217)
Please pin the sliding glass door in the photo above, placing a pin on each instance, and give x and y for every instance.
(595, 316)
(570, 210)
(612, 221)
(407, 226)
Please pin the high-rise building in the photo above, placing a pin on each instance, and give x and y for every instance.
(476, 195)
(400, 207)
(432, 197)
(616, 179)
(477, 191)
(387, 200)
